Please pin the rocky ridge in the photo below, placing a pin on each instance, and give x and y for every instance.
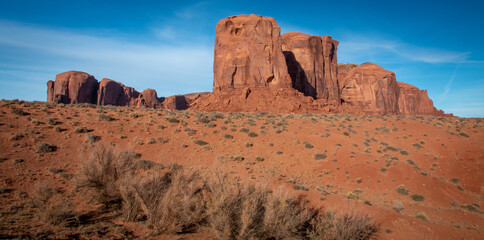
(79, 87)
(256, 69)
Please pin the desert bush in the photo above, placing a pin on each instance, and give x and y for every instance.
(101, 173)
(81, 130)
(200, 142)
(402, 189)
(171, 202)
(106, 117)
(178, 200)
(52, 207)
(203, 120)
(350, 225)
(46, 148)
(19, 112)
(228, 136)
(17, 136)
(252, 134)
(91, 138)
(308, 145)
(254, 212)
(319, 156)
(173, 120)
(135, 115)
(417, 197)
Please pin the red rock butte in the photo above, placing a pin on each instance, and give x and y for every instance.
(256, 69)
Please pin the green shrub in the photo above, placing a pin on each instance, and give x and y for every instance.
(402, 189)
(228, 136)
(417, 197)
(200, 142)
(252, 134)
(319, 156)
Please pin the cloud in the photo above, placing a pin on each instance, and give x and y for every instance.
(169, 67)
(358, 47)
(449, 84)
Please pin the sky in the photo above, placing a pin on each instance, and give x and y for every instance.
(168, 45)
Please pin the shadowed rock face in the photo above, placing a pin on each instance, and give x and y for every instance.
(114, 93)
(73, 87)
(371, 88)
(248, 53)
(50, 91)
(149, 98)
(312, 65)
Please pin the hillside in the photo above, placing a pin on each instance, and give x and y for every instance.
(419, 177)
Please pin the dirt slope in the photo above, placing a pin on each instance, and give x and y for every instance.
(340, 162)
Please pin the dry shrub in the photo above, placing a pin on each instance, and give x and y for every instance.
(177, 200)
(52, 207)
(255, 212)
(349, 225)
(102, 172)
(171, 202)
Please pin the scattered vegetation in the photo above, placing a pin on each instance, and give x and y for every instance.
(46, 148)
(402, 189)
(200, 142)
(417, 197)
(319, 156)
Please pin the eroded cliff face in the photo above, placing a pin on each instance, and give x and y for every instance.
(413, 101)
(248, 53)
(258, 70)
(371, 88)
(73, 87)
(311, 63)
(115, 93)
(343, 70)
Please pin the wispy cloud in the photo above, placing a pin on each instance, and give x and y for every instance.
(359, 46)
(449, 84)
(169, 67)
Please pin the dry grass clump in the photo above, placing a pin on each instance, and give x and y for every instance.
(103, 171)
(178, 200)
(52, 207)
(172, 202)
(350, 225)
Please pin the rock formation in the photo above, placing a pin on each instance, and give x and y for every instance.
(115, 93)
(258, 70)
(182, 102)
(149, 98)
(343, 70)
(248, 53)
(330, 61)
(50, 91)
(413, 101)
(312, 65)
(73, 87)
(371, 88)
(77, 87)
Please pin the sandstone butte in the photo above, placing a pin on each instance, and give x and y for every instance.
(256, 69)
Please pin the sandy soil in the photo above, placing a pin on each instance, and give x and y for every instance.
(339, 162)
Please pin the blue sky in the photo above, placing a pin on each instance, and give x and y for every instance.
(168, 45)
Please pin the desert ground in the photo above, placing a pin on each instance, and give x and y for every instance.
(414, 177)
